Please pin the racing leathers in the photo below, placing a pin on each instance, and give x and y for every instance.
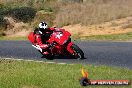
(41, 37)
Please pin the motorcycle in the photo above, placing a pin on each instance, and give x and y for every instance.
(60, 44)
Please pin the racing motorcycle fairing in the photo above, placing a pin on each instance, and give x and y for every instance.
(59, 37)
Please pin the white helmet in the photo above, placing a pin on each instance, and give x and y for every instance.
(43, 25)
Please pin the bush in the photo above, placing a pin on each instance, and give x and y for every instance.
(2, 22)
(2, 8)
(24, 14)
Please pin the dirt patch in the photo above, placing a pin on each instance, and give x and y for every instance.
(22, 33)
(118, 26)
(15, 28)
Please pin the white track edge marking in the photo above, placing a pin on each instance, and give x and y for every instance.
(35, 61)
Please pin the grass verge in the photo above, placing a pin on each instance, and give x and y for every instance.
(13, 38)
(22, 74)
(112, 37)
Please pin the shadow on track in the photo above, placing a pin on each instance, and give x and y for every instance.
(62, 57)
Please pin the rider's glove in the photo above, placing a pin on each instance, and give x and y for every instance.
(50, 46)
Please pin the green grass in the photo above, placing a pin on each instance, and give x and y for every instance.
(112, 37)
(13, 38)
(22, 74)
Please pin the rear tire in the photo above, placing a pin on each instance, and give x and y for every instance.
(78, 53)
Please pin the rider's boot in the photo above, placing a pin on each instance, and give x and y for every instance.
(45, 53)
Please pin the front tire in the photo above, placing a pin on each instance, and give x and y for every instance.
(78, 53)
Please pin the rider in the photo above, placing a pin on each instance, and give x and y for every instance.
(41, 35)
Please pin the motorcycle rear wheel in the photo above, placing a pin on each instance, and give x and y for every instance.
(78, 53)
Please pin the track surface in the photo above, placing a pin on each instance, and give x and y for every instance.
(98, 53)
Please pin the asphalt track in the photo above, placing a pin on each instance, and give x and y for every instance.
(99, 53)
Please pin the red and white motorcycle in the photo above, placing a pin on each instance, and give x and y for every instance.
(61, 44)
